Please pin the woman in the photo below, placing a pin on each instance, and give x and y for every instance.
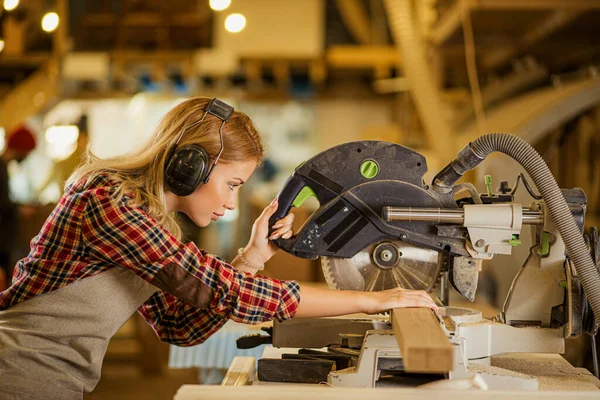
(111, 247)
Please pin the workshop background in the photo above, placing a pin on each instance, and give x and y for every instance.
(428, 74)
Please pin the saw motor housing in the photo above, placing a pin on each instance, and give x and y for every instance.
(379, 225)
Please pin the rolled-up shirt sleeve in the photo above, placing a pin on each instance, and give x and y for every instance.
(198, 291)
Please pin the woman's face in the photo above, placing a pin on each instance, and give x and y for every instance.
(220, 193)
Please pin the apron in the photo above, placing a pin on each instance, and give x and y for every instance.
(52, 345)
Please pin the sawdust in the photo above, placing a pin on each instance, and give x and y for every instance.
(482, 322)
(487, 369)
(552, 371)
(449, 324)
(555, 383)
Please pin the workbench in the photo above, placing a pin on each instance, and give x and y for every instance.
(557, 378)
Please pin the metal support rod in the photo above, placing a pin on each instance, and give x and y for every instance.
(447, 215)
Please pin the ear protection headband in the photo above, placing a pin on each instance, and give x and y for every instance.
(189, 166)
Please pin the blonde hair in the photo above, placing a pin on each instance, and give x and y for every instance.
(140, 173)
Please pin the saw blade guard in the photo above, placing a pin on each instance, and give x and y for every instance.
(352, 183)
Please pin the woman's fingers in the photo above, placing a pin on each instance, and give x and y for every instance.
(416, 298)
(416, 302)
(285, 221)
(262, 222)
(285, 232)
(283, 228)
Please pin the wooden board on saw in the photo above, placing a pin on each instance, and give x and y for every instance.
(423, 344)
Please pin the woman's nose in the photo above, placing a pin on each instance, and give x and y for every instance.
(231, 203)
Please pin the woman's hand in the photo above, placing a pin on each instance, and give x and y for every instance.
(260, 248)
(394, 298)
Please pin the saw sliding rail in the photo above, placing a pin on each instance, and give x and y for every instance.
(447, 215)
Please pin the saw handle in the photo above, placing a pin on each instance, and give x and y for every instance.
(286, 197)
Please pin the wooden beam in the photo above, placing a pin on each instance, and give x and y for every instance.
(379, 30)
(98, 19)
(31, 59)
(14, 36)
(317, 72)
(533, 4)
(594, 193)
(450, 20)
(447, 25)
(146, 19)
(59, 38)
(31, 95)
(362, 56)
(188, 19)
(423, 344)
(141, 19)
(281, 72)
(535, 34)
(417, 68)
(133, 56)
(356, 19)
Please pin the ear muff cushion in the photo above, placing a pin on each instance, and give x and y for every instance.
(186, 169)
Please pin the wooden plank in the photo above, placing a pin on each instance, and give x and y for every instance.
(241, 372)
(423, 344)
(318, 392)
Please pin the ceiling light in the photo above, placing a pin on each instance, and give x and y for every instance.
(219, 5)
(235, 22)
(10, 5)
(50, 22)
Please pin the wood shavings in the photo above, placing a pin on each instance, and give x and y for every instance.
(552, 371)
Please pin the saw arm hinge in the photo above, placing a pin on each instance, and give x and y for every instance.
(493, 228)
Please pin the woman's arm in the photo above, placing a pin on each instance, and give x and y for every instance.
(119, 234)
(317, 302)
(178, 322)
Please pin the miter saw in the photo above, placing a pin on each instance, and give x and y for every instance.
(380, 226)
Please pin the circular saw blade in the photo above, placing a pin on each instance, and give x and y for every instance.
(414, 268)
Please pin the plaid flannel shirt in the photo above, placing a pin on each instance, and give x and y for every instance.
(88, 233)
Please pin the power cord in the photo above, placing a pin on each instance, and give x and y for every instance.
(530, 190)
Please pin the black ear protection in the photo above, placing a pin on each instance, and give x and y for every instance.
(189, 166)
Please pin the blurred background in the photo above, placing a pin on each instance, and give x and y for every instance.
(429, 74)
